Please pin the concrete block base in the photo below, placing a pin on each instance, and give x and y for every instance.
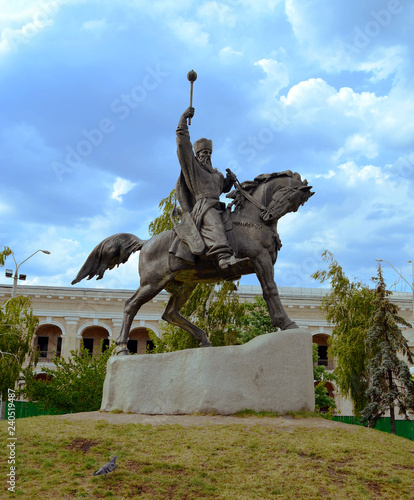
(272, 372)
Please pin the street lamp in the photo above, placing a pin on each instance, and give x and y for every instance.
(17, 276)
(411, 285)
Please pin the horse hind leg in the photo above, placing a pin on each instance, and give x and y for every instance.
(179, 296)
(132, 305)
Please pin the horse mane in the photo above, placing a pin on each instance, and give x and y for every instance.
(251, 186)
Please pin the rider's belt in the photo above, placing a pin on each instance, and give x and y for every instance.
(206, 195)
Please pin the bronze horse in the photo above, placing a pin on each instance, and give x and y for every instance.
(253, 216)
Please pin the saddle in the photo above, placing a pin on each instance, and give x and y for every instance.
(188, 247)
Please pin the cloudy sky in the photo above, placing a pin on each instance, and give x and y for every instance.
(92, 92)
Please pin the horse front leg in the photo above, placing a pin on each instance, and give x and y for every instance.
(265, 273)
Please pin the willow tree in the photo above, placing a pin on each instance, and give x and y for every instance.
(215, 307)
(348, 308)
(390, 385)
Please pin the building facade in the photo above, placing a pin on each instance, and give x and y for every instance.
(69, 316)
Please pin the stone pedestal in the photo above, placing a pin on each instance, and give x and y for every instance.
(272, 372)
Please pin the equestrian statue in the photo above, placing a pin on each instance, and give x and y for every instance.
(212, 241)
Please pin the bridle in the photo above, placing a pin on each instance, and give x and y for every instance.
(276, 208)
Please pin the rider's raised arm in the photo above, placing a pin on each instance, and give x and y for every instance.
(184, 147)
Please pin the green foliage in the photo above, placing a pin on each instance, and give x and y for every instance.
(163, 222)
(256, 321)
(17, 327)
(215, 308)
(75, 385)
(348, 307)
(322, 400)
(390, 384)
(4, 254)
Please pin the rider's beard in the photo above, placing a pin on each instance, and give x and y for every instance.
(206, 163)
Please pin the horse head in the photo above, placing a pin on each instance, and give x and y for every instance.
(288, 193)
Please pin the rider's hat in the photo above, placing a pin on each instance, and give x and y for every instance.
(203, 144)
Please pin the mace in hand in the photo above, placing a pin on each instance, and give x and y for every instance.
(191, 77)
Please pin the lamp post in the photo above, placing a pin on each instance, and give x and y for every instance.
(16, 276)
(411, 285)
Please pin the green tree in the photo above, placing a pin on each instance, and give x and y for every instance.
(215, 308)
(320, 375)
(390, 385)
(256, 320)
(348, 307)
(75, 385)
(168, 209)
(17, 327)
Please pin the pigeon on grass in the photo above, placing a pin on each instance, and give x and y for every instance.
(105, 469)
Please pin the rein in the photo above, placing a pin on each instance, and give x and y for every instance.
(246, 194)
(267, 214)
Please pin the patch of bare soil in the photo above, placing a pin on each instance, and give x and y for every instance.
(82, 444)
(284, 422)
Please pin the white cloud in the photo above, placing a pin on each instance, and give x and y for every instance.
(364, 36)
(121, 187)
(96, 25)
(310, 93)
(277, 75)
(227, 52)
(354, 174)
(358, 145)
(217, 13)
(21, 21)
(10, 39)
(329, 175)
(190, 32)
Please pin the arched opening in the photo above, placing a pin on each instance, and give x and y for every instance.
(139, 341)
(330, 392)
(48, 342)
(43, 376)
(321, 339)
(92, 337)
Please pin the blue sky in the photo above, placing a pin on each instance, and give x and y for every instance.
(92, 92)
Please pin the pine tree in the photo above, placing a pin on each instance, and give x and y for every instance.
(390, 384)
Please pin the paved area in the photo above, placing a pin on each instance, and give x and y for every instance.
(285, 422)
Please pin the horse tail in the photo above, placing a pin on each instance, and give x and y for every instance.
(111, 252)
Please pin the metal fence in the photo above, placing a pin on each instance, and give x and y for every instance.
(23, 409)
(403, 428)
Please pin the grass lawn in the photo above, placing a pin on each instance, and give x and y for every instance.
(56, 459)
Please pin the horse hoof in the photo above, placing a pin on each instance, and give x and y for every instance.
(291, 326)
(205, 344)
(122, 351)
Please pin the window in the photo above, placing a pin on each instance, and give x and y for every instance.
(322, 355)
(42, 345)
(132, 346)
(88, 344)
(59, 347)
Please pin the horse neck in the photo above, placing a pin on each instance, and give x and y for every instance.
(263, 195)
